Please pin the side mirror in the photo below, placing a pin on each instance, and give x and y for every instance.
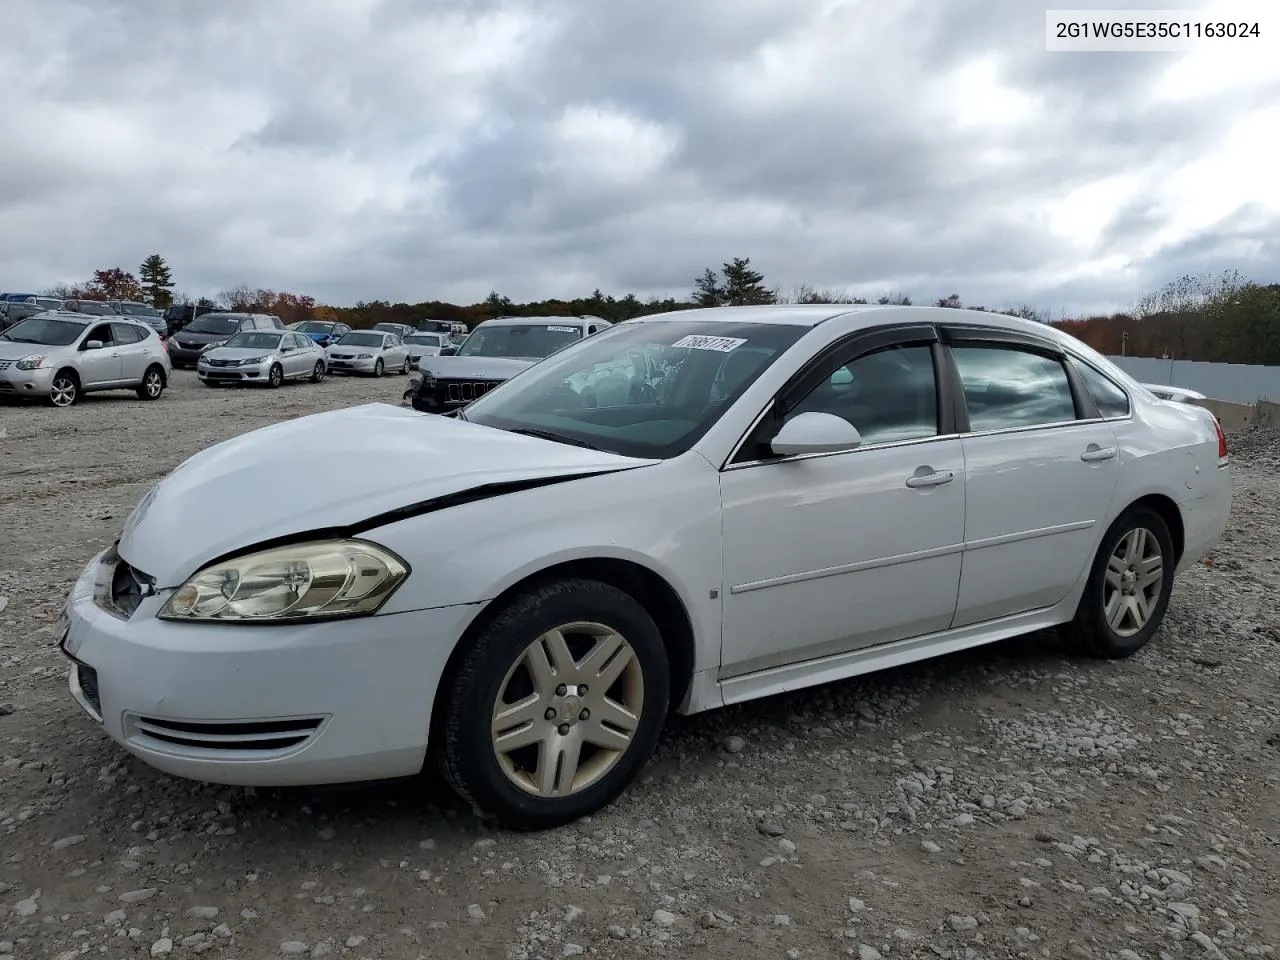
(93, 344)
(448, 351)
(815, 433)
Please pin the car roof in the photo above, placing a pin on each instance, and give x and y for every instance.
(867, 314)
(537, 321)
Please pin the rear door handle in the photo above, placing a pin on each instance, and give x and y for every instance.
(1094, 453)
(930, 479)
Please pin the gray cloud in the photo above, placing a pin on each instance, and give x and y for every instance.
(359, 150)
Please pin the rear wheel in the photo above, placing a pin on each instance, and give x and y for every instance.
(152, 385)
(275, 376)
(1125, 599)
(317, 372)
(404, 368)
(64, 390)
(556, 705)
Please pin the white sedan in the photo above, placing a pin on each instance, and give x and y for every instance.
(781, 496)
(368, 351)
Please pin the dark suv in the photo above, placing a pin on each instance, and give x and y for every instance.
(214, 329)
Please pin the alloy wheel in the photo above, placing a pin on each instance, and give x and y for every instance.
(153, 384)
(1133, 581)
(62, 392)
(567, 710)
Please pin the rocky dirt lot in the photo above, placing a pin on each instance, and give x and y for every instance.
(1011, 802)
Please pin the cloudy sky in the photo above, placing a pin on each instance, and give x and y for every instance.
(423, 149)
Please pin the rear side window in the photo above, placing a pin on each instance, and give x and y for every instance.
(1006, 387)
(1111, 400)
(126, 333)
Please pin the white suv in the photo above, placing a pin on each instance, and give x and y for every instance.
(60, 356)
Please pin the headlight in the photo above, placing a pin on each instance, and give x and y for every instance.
(327, 578)
(252, 360)
(32, 362)
(364, 356)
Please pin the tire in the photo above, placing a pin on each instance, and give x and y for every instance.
(404, 368)
(317, 372)
(64, 389)
(1092, 632)
(152, 383)
(275, 376)
(377, 367)
(510, 784)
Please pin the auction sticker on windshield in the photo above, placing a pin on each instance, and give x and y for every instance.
(720, 344)
(563, 329)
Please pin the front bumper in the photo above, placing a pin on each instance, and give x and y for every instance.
(183, 357)
(253, 373)
(24, 383)
(351, 366)
(289, 705)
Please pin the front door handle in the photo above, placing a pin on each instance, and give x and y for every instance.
(937, 479)
(1094, 453)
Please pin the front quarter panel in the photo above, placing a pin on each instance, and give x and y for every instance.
(665, 517)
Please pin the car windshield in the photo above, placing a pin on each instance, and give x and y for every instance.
(312, 326)
(640, 389)
(531, 341)
(423, 339)
(44, 330)
(255, 341)
(95, 308)
(361, 340)
(214, 323)
(138, 310)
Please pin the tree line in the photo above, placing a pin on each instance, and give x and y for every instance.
(1225, 317)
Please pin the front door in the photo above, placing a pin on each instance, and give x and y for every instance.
(828, 553)
(101, 367)
(1042, 470)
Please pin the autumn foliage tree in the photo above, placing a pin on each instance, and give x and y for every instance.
(113, 283)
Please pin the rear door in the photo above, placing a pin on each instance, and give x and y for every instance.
(1041, 467)
(131, 345)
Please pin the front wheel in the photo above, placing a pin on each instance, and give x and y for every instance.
(556, 705)
(377, 367)
(317, 372)
(152, 385)
(64, 391)
(1125, 599)
(275, 376)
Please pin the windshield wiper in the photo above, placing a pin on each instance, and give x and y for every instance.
(554, 437)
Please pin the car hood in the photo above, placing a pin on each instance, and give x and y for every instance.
(478, 368)
(201, 338)
(330, 470)
(239, 353)
(11, 350)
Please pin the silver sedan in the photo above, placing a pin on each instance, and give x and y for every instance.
(264, 357)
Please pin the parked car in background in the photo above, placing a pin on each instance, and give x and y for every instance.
(422, 345)
(323, 332)
(62, 355)
(401, 330)
(525, 591)
(368, 351)
(494, 351)
(11, 311)
(215, 329)
(96, 308)
(267, 357)
(140, 311)
(178, 315)
(46, 303)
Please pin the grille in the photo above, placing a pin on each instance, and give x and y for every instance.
(5, 364)
(264, 736)
(344, 356)
(214, 362)
(462, 391)
(186, 345)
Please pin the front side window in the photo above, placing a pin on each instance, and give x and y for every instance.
(101, 333)
(1007, 387)
(640, 389)
(889, 395)
(1111, 400)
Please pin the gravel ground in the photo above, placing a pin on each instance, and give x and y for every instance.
(1010, 802)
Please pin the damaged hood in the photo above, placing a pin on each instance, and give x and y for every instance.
(476, 368)
(329, 470)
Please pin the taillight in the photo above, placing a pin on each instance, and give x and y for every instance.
(1222, 439)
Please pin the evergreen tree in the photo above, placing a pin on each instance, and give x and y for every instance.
(742, 285)
(157, 281)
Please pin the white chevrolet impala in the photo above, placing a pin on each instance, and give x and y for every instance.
(685, 511)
